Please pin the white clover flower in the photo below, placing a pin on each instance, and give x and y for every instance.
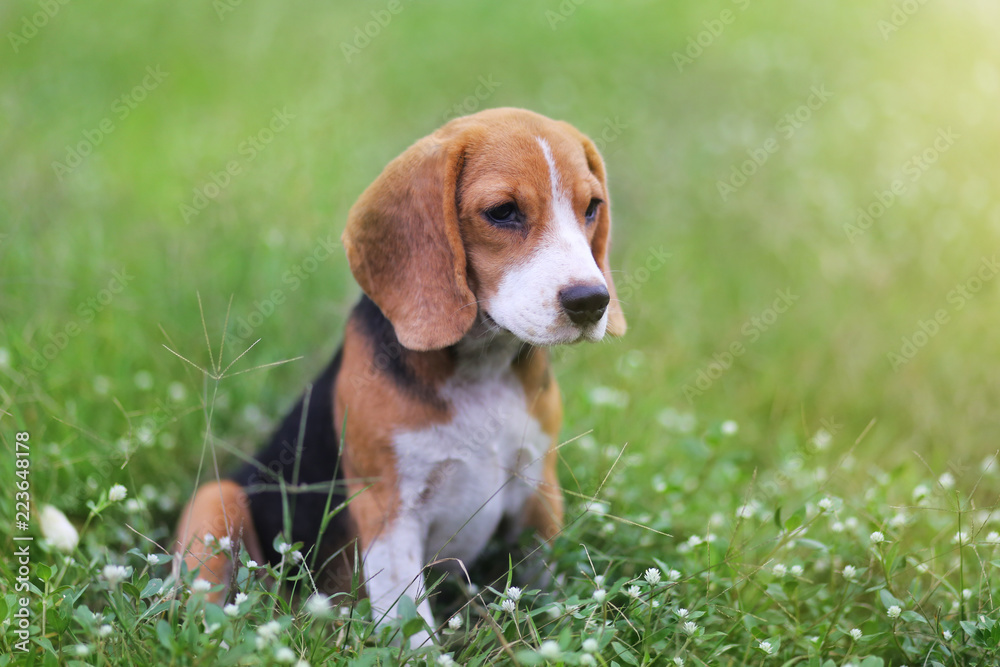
(590, 645)
(695, 541)
(600, 595)
(252, 565)
(961, 537)
(269, 630)
(210, 628)
(283, 548)
(550, 650)
(115, 573)
(822, 439)
(508, 605)
(921, 491)
(57, 529)
(679, 662)
(153, 559)
(117, 492)
(81, 650)
(894, 611)
(208, 539)
(297, 556)
(825, 504)
(225, 543)
(779, 570)
(284, 654)
(302, 663)
(104, 630)
(796, 570)
(947, 635)
(729, 427)
(598, 580)
(455, 622)
(587, 660)
(837, 526)
(947, 480)
(690, 627)
(231, 609)
(445, 660)
(877, 537)
(745, 511)
(898, 520)
(634, 592)
(673, 575)
(856, 634)
(201, 586)
(850, 572)
(681, 612)
(241, 598)
(176, 391)
(993, 537)
(966, 594)
(766, 647)
(513, 593)
(652, 576)
(851, 523)
(318, 604)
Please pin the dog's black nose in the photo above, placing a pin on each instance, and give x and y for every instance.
(585, 304)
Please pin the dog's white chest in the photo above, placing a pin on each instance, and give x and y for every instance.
(459, 479)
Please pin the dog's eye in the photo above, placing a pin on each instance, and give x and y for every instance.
(591, 212)
(504, 215)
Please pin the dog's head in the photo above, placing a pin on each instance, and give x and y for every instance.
(503, 215)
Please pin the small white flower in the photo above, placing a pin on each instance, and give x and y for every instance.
(514, 593)
(587, 660)
(116, 493)
(115, 573)
(652, 576)
(779, 570)
(269, 630)
(822, 439)
(921, 491)
(550, 650)
(241, 598)
(445, 660)
(690, 627)
(201, 586)
(57, 529)
(679, 662)
(176, 391)
(825, 504)
(877, 537)
(599, 580)
(898, 520)
(600, 595)
(673, 575)
(208, 539)
(681, 612)
(590, 645)
(966, 594)
(153, 559)
(856, 634)
(961, 537)
(634, 592)
(104, 630)
(851, 522)
(766, 647)
(894, 611)
(231, 609)
(284, 654)
(302, 663)
(837, 526)
(455, 622)
(283, 548)
(993, 537)
(81, 650)
(143, 380)
(989, 464)
(297, 556)
(508, 605)
(947, 481)
(796, 570)
(729, 427)
(947, 635)
(252, 565)
(850, 572)
(318, 604)
(745, 511)
(225, 543)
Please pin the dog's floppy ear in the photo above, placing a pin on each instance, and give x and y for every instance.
(405, 250)
(602, 239)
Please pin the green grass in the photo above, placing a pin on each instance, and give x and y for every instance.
(108, 403)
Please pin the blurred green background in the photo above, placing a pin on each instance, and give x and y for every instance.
(163, 96)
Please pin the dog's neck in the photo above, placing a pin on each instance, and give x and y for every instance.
(487, 349)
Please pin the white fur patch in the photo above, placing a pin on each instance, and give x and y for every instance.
(527, 299)
(457, 481)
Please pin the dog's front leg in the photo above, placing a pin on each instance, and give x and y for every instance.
(393, 561)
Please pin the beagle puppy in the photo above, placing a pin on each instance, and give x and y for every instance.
(478, 248)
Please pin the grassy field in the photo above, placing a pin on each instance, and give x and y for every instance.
(806, 224)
